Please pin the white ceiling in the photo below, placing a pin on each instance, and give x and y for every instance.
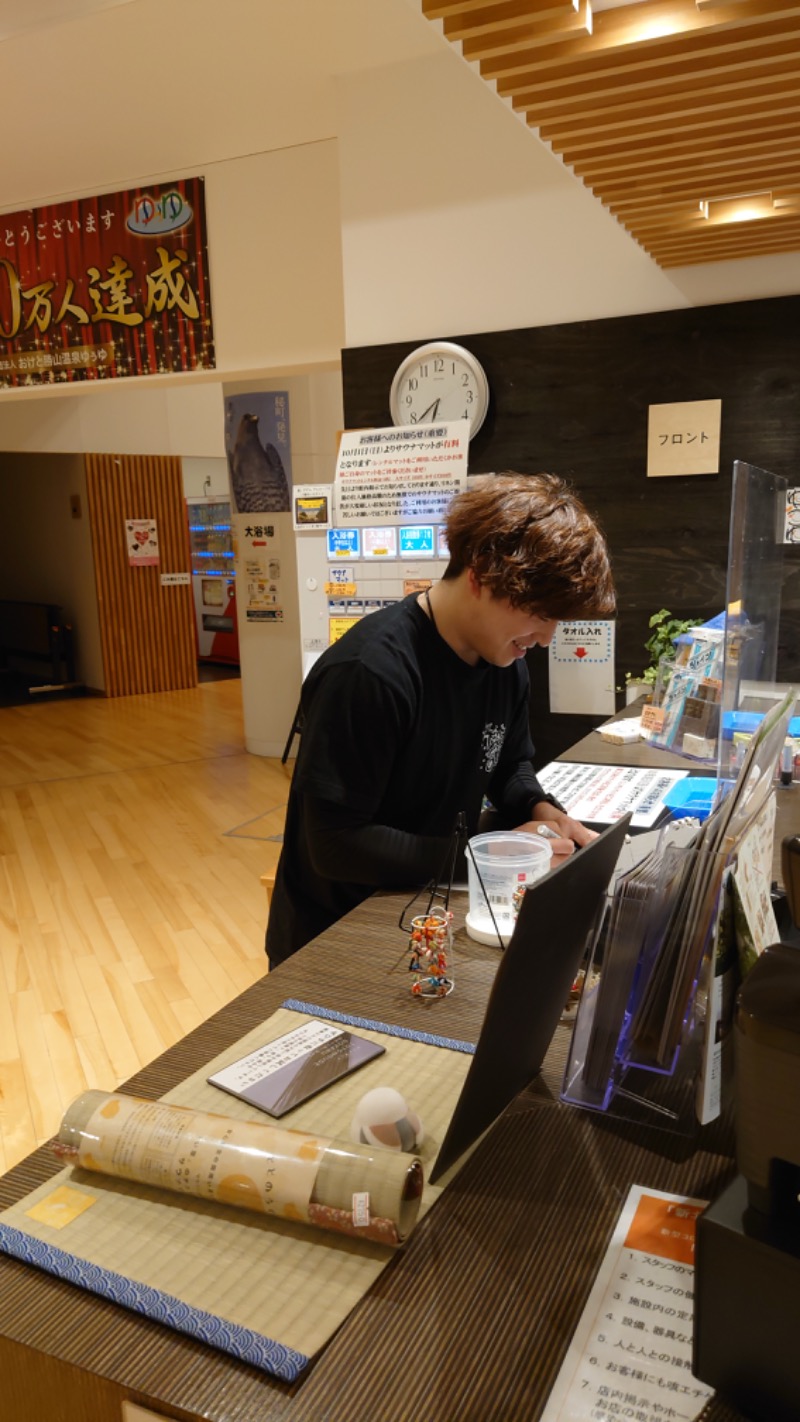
(115, 90)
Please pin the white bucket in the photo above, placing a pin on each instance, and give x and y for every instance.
(506, 862)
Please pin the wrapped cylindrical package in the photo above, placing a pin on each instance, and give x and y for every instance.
(352, 1189)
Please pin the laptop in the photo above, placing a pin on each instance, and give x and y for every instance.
(533, 979)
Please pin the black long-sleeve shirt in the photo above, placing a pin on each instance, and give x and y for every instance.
(399, 735)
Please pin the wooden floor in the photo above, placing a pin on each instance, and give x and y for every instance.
(129, 912)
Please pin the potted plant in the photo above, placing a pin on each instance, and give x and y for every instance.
(661, 647)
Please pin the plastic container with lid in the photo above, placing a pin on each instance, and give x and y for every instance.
(501, 865)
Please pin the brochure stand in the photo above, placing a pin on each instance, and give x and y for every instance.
(622, 1058)
(646, 1043)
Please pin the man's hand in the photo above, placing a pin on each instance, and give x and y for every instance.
(568, 832)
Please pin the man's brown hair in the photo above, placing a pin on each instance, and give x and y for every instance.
(530, 539)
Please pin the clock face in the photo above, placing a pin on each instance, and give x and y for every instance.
(439, 381)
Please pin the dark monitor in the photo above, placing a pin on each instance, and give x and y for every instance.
(531, 987)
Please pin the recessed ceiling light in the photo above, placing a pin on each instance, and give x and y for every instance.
(745, 207)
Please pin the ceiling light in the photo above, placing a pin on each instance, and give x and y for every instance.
(745, 207)
(652, 29)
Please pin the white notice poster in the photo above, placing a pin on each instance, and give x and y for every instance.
(582, 669)
(141, 537)
(406, 475)
(791, 522)
(631, 1355)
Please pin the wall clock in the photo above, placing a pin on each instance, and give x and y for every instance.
(439, 381)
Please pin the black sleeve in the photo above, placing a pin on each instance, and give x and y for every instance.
(514, 788)
(350, 742)
(344, 845)
(520, 793)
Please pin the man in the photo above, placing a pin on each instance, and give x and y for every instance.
(421, 710)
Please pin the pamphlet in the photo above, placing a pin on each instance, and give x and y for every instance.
(756, 925)
(631, 1355)
(602, 794)
(282, 1074)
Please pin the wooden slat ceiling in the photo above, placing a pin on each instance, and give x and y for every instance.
(658, 106)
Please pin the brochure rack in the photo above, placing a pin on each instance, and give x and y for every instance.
(645, 1044)
(618, 1062)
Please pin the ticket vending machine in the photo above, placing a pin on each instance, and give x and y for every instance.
(213, 580)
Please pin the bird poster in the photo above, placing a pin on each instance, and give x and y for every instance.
(258, 448)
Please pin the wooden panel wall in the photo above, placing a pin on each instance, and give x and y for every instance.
(147, 631)
(574, 399)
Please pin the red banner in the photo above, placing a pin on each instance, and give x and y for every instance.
(106, 287)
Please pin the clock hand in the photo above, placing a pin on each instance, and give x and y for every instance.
(432, 410)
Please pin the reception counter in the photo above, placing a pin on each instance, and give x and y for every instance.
(470, 1320)
(593, 750)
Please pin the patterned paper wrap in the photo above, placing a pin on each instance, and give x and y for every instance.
(352, 1189)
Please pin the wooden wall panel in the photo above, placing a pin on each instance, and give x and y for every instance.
(574, 399)
(147, 631)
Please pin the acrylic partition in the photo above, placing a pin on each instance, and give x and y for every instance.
(724, 673)
(755, 577)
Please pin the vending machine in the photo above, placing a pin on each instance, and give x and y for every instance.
(213, 580)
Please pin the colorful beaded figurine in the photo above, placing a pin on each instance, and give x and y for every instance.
(430, 934)
(517, 897)
(428, 945)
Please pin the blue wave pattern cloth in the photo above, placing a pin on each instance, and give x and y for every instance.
(242, 1343)
(453, 1044)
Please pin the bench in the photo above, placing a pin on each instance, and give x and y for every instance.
(36, 631)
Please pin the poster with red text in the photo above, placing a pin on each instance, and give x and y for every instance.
(106, 287)
(582, 668)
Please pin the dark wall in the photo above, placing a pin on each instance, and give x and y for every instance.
(573, 399)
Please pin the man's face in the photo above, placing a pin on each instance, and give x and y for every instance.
(501, 633)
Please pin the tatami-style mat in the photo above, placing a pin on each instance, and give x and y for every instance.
(267, 1291)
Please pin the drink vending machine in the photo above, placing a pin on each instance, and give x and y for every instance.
(213, 579)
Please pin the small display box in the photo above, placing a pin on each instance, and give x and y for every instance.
(693, 797)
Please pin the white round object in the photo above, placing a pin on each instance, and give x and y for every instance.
(479, 926)
(382, 1118)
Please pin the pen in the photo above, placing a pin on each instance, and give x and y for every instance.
(548, 832)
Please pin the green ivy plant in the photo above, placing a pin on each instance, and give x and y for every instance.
(660, 643)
